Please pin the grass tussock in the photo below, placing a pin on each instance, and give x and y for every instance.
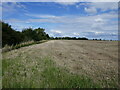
(23, 44)
(41, 73)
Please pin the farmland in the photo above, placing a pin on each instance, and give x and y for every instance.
(62, 63)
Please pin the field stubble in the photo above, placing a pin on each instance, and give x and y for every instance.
(97, 60)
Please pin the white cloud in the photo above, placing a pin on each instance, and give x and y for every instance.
(105, 5)
(42, 16)
(91, 10)
(74, 22)
(92, 7)
(11, 7)
(67, 2)
(99, 32)
(76, 34)
(56, 31)
(99, 20)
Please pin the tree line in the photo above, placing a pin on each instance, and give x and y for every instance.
(68, 38)
(13, 37)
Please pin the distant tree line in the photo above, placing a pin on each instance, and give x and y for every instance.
(68, 38)
(100, 40)
(13, 37)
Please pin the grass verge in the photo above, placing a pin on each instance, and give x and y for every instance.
(40, 73)
(24, 44)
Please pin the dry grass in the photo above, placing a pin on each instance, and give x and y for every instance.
(23, 44)
(97, 60)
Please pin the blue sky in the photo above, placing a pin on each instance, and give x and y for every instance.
(75, 19)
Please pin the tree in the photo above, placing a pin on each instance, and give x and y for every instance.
(9, 35)
(36, 34)
(41, 35)
(13, 37)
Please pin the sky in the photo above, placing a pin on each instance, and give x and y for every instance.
(61, 19)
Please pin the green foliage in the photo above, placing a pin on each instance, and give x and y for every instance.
(13, 37)
(36, 34)
(41, 35)
(10, 36)
(28, 34)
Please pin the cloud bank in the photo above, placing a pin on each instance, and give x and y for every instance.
(99, 21)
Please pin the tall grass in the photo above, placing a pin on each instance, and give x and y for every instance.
(40, 73)
(23, 44)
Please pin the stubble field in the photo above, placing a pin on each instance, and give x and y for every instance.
(62, 64)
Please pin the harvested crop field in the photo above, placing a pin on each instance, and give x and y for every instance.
(62, 63)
